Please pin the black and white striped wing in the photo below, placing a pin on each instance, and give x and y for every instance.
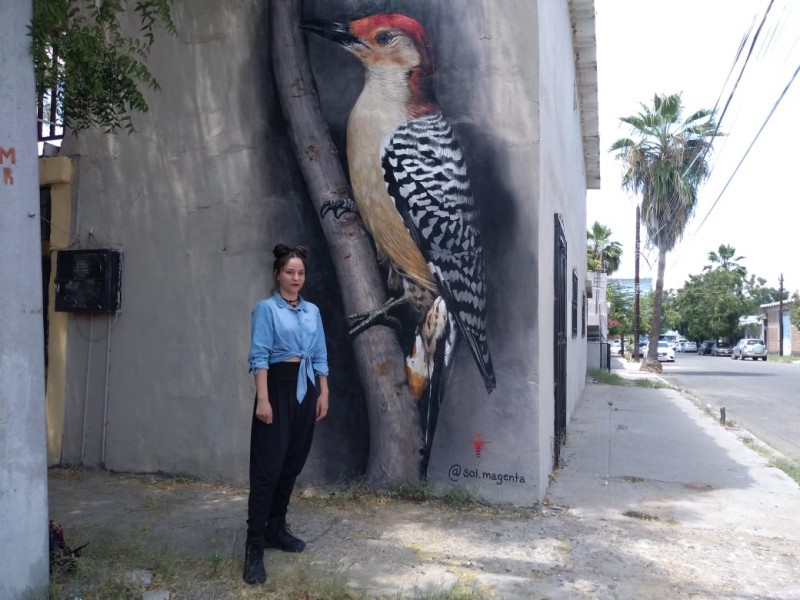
(426, 177)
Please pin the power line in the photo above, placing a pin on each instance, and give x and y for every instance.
(735, 85)
(763, 125)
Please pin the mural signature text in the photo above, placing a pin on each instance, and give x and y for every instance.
(458, 472)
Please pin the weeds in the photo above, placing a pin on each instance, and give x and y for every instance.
(108, 571)
(791, 468)
(654, 384)
(605, 377)
(783, 359)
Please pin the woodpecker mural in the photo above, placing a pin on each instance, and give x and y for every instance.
(413, 195)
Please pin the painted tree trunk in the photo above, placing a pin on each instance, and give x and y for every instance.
(395, 438)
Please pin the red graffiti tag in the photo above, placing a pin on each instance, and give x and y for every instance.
(11, 156)
(478, 444)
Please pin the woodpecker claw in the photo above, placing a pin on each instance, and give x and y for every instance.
(338, 208)
(378, 316)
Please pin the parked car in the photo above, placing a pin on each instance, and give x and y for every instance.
(721, 349)
(615, 347)
(704, 349)
(749, 348)
(689, 346)
(665, 353)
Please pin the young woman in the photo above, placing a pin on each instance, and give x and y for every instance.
(287, 355)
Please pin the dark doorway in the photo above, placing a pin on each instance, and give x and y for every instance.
(560, 339)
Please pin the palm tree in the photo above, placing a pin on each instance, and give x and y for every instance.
(725, 261)
(665, 162)
(601, 253)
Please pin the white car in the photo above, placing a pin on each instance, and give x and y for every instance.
(616, 347)
(665, 352)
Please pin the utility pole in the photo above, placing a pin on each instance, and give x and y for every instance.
(23, 446)
(780, 318)
(636, 325)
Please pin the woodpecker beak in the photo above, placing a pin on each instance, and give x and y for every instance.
(336, 32)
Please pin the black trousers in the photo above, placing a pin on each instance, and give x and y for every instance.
(279, 451)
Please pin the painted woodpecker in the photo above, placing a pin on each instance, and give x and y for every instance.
(413, 194)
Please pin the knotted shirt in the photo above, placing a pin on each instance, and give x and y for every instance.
(279, 332)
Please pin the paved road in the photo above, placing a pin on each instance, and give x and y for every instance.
(763, 397)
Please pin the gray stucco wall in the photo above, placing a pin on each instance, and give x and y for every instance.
(200, 194)
(196, 199)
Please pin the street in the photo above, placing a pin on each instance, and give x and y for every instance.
(762, 397)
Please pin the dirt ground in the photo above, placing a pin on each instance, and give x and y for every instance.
(399, 549)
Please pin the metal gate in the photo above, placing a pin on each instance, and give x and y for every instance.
(560, 339)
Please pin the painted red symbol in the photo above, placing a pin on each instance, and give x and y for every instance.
(478, 444)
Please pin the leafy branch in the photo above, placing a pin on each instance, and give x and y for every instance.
(95, 70)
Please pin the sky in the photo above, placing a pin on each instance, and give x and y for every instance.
(690, 46)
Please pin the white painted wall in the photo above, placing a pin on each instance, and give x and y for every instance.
(562, 190)
(23, 456)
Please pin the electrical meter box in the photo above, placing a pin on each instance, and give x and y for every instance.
(88, 281)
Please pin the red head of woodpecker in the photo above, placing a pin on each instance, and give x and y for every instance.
(395, 51)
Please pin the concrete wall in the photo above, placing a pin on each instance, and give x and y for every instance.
(199, 195)
(196, 199)
(563, 191)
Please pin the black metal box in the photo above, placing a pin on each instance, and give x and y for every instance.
(88, 281)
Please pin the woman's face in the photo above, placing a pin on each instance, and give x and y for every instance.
(291, 278)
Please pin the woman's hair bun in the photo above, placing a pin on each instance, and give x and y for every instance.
(282, 250)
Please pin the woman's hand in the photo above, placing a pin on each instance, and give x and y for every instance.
(322, 405)
(264, 411)
(322, 399)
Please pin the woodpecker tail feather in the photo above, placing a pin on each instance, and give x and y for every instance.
(428, 369)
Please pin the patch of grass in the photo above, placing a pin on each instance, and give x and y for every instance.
(791, 468)
(604, 377)
(103, 571)
(458, 591)
(299, 582)
(353, 493)
(637, 514)
(159, 506)
(755, 447)
(783, 359)
(66, 473)
(653, 384)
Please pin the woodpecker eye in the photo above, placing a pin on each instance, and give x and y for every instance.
(384, 37)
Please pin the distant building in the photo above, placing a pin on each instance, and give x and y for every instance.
(628, 285)
(772, 329)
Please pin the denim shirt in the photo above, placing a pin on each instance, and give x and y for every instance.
(279, 332)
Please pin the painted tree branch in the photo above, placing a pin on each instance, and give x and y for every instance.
(393, 417)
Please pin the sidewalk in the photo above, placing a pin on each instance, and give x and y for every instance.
(655, 500)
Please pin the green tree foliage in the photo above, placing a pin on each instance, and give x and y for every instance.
(602, 254)
(665, 162)
(620, 310)
(98, 69)
(725, 260)
(795, 314)
(760, 294)
(709, 305)
(671, 316)
(646, 304)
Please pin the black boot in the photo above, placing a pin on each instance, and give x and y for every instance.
(254, 571)
(278, 535)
